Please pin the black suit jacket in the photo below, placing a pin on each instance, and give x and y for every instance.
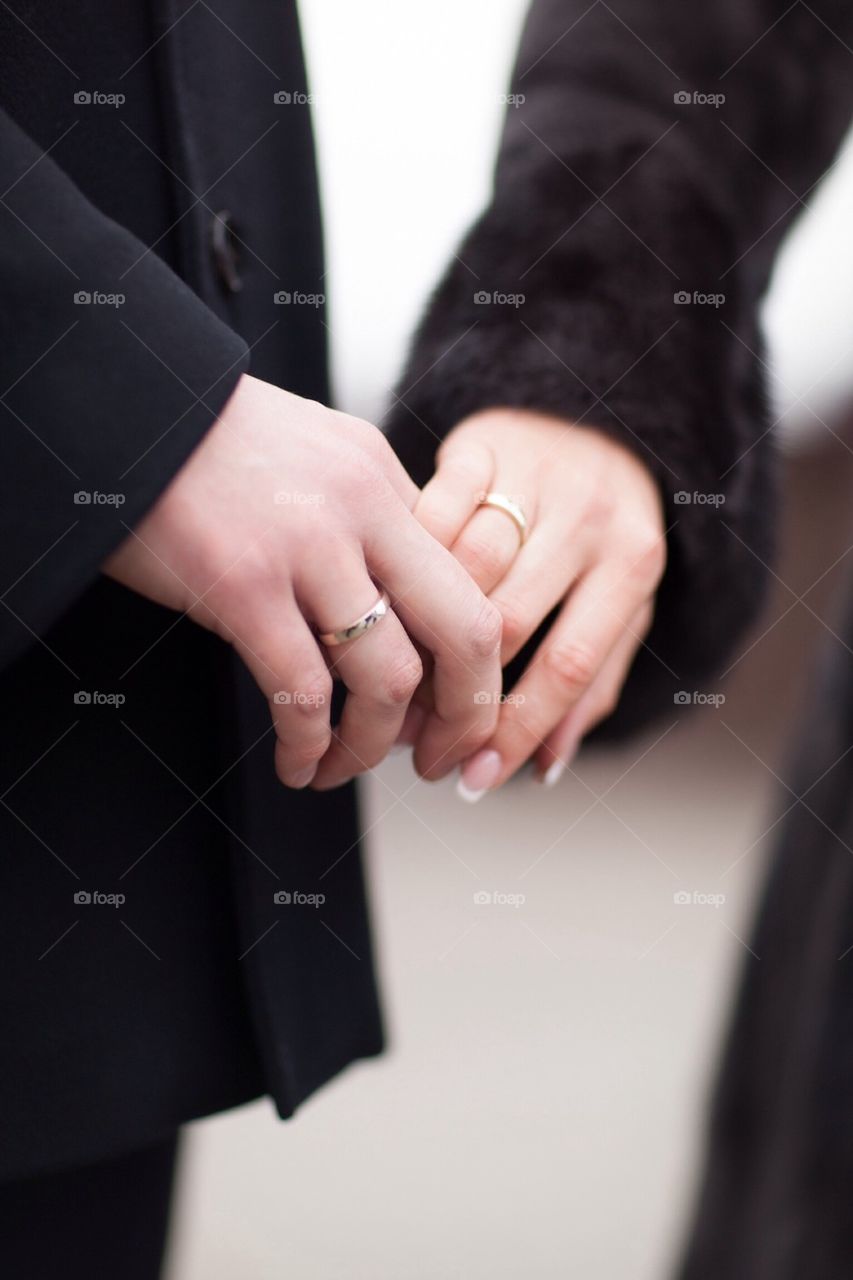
(137, 757)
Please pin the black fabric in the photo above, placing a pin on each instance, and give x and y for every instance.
(199, 991)
(775, 1198)
(108, 1219)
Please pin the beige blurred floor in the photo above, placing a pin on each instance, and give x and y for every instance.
(539, 1112)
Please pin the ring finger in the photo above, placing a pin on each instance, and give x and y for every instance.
(380, 669)
(488, 545)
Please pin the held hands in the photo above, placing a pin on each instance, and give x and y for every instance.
(289, 520)
(279, 527)
(595, 547)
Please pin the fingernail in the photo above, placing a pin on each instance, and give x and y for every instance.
(303, 777)
(553, 773)
(479, 774)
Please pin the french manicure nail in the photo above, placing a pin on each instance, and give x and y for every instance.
(478, 775)
(553, 773)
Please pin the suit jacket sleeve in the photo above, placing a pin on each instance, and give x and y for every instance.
(101, 402)
(655, 155)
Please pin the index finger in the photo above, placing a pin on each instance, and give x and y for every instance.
(449, 616)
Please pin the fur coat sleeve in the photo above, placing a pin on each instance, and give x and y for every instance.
(653, 155)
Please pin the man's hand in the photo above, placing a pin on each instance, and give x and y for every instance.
(288, 520)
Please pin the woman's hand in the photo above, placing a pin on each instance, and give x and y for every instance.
(595, 545)
(288, 520)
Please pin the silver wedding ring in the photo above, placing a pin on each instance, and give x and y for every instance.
(500, 502)
(355, 629)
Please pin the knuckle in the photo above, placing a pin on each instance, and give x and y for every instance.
(314, 696)
(572, 666)
(372, 444)
(599, 506)
(515, 627)
(483, 636)
(365, 760)
(402, 681)
(650, 556)
(241, 583)
(362, 474)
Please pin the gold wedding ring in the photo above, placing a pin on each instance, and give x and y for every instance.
(500, 502)
(355, 629)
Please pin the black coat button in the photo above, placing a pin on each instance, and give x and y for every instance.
(224, 247)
